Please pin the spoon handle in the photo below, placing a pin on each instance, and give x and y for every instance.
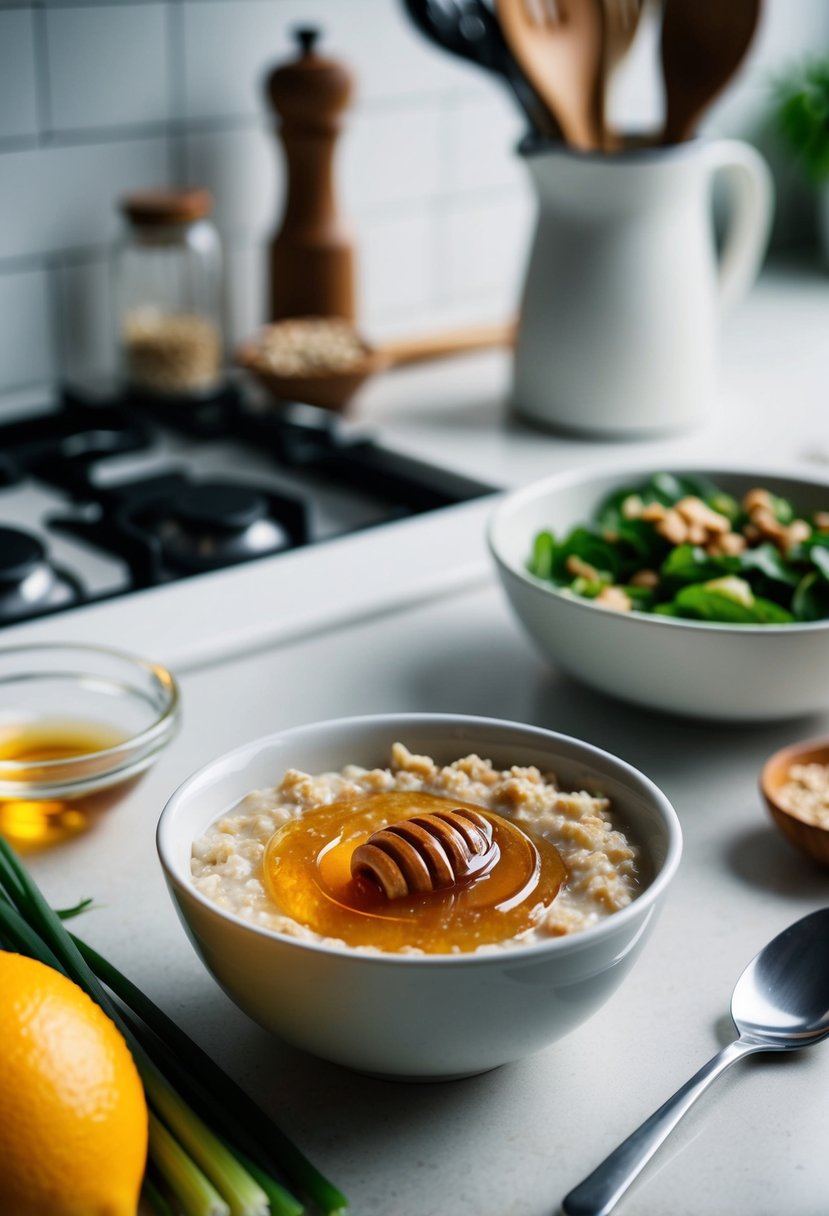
(600, 1191)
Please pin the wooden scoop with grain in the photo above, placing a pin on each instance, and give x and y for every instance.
(323, 361)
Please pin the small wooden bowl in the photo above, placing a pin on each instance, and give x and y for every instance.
(808, 837)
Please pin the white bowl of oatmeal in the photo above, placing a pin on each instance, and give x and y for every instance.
(398, 1010)
(699, 668)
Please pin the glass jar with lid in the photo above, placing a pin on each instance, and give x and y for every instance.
(168, 289)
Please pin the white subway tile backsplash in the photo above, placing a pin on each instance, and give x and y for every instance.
(231, 44)
(243, 170)
(397, 273)
(483, 135)
(384, 158)
(26, 332)
(87, 319)
(391, 155)
(18, 90)
(246, 291)
(55, 198)
(389, 56)
(227, 47)
(93, 3)
(107, 66)
(484, 245)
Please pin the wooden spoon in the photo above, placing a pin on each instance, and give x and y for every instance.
(333, 388)
(621, 26)
(622, 18)
(703, 43)
(559, 45)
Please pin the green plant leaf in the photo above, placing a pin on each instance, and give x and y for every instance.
(802, 105)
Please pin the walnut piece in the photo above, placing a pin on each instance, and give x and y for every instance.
(615, 598)
(644, 578)
(581, 569)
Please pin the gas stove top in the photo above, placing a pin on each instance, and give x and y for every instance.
(104, 496)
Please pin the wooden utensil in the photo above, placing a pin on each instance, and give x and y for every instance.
(333, 389)
(470, 30)
(703, 43)
(559, 45)
(621, 26)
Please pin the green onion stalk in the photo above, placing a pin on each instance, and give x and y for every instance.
(212, 1150)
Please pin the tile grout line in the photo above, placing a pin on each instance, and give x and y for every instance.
(176, 76)
(43, 98)
(57, 331)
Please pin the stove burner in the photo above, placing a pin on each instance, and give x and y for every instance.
(58, 447)
(168, 526)
(219, 507)
(20, 555)
(28, 583)
(213, 524)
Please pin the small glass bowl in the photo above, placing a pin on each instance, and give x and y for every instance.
(78, 727)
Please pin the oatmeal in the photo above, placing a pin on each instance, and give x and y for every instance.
(600, 864)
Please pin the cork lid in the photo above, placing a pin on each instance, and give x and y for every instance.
(158, 207)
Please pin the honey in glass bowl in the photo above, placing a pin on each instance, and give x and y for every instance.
(26, 750)
(309, 875)
(79, 725)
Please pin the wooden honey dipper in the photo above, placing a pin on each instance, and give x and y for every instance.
(426, 853)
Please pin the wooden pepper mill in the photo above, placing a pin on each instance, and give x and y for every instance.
(312, 255)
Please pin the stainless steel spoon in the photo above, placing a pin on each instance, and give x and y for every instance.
(780, 1003)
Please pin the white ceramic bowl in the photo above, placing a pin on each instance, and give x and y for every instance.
(705, 670)
(418, 1017)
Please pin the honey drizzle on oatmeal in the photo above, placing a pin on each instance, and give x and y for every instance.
(307, 874)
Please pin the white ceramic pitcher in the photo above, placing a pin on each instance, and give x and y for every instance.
(625, 290)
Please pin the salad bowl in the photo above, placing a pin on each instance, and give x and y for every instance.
(761, 663)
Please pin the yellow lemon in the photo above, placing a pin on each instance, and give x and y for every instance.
(73, 1118)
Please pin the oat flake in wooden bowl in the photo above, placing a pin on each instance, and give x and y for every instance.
(795, 786)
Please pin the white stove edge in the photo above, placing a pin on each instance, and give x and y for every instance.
(212, 617)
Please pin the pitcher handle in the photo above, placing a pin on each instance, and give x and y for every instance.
(750, 209)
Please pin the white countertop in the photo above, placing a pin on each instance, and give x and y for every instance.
(513, 1142)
